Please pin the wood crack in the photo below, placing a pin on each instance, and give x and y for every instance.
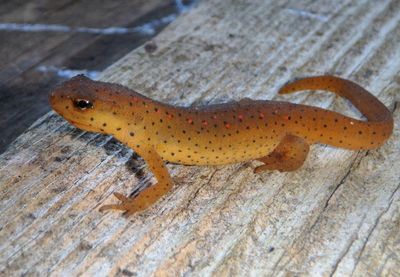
(374, 227)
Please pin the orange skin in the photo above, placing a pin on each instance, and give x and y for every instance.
(276, 133)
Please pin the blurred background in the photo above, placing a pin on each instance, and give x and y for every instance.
(43, 42)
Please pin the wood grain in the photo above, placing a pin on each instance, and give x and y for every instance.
(337, 216)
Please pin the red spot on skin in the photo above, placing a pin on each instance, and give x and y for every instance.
(170, 116)
(286, 117)
(227, 125)
(240, 117)
(205, 123)
(190, 121)
(261, 115)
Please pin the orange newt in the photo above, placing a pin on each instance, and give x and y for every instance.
(278, 134)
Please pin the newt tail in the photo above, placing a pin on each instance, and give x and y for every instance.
(339, 130)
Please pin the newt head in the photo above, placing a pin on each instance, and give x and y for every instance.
(87, 104)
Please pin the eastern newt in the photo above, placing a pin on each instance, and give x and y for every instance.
(278, 134)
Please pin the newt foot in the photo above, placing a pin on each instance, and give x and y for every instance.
(128, 205)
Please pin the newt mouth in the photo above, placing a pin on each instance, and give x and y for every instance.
(82, 126)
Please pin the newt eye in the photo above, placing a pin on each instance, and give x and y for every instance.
(83, 104)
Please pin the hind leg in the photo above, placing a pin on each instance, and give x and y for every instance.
(289, 155)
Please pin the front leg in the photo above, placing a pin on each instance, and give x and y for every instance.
(151, 194)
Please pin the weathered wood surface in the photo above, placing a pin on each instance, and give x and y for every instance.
(28, 59)
(339, 215)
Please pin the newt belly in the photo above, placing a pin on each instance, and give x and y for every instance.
(276, 133)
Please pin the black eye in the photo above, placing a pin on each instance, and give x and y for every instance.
(83, 104)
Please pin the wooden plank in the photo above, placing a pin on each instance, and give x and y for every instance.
(119, 13)
(338, 215)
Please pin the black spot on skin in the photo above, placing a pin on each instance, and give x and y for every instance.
(131, 134)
